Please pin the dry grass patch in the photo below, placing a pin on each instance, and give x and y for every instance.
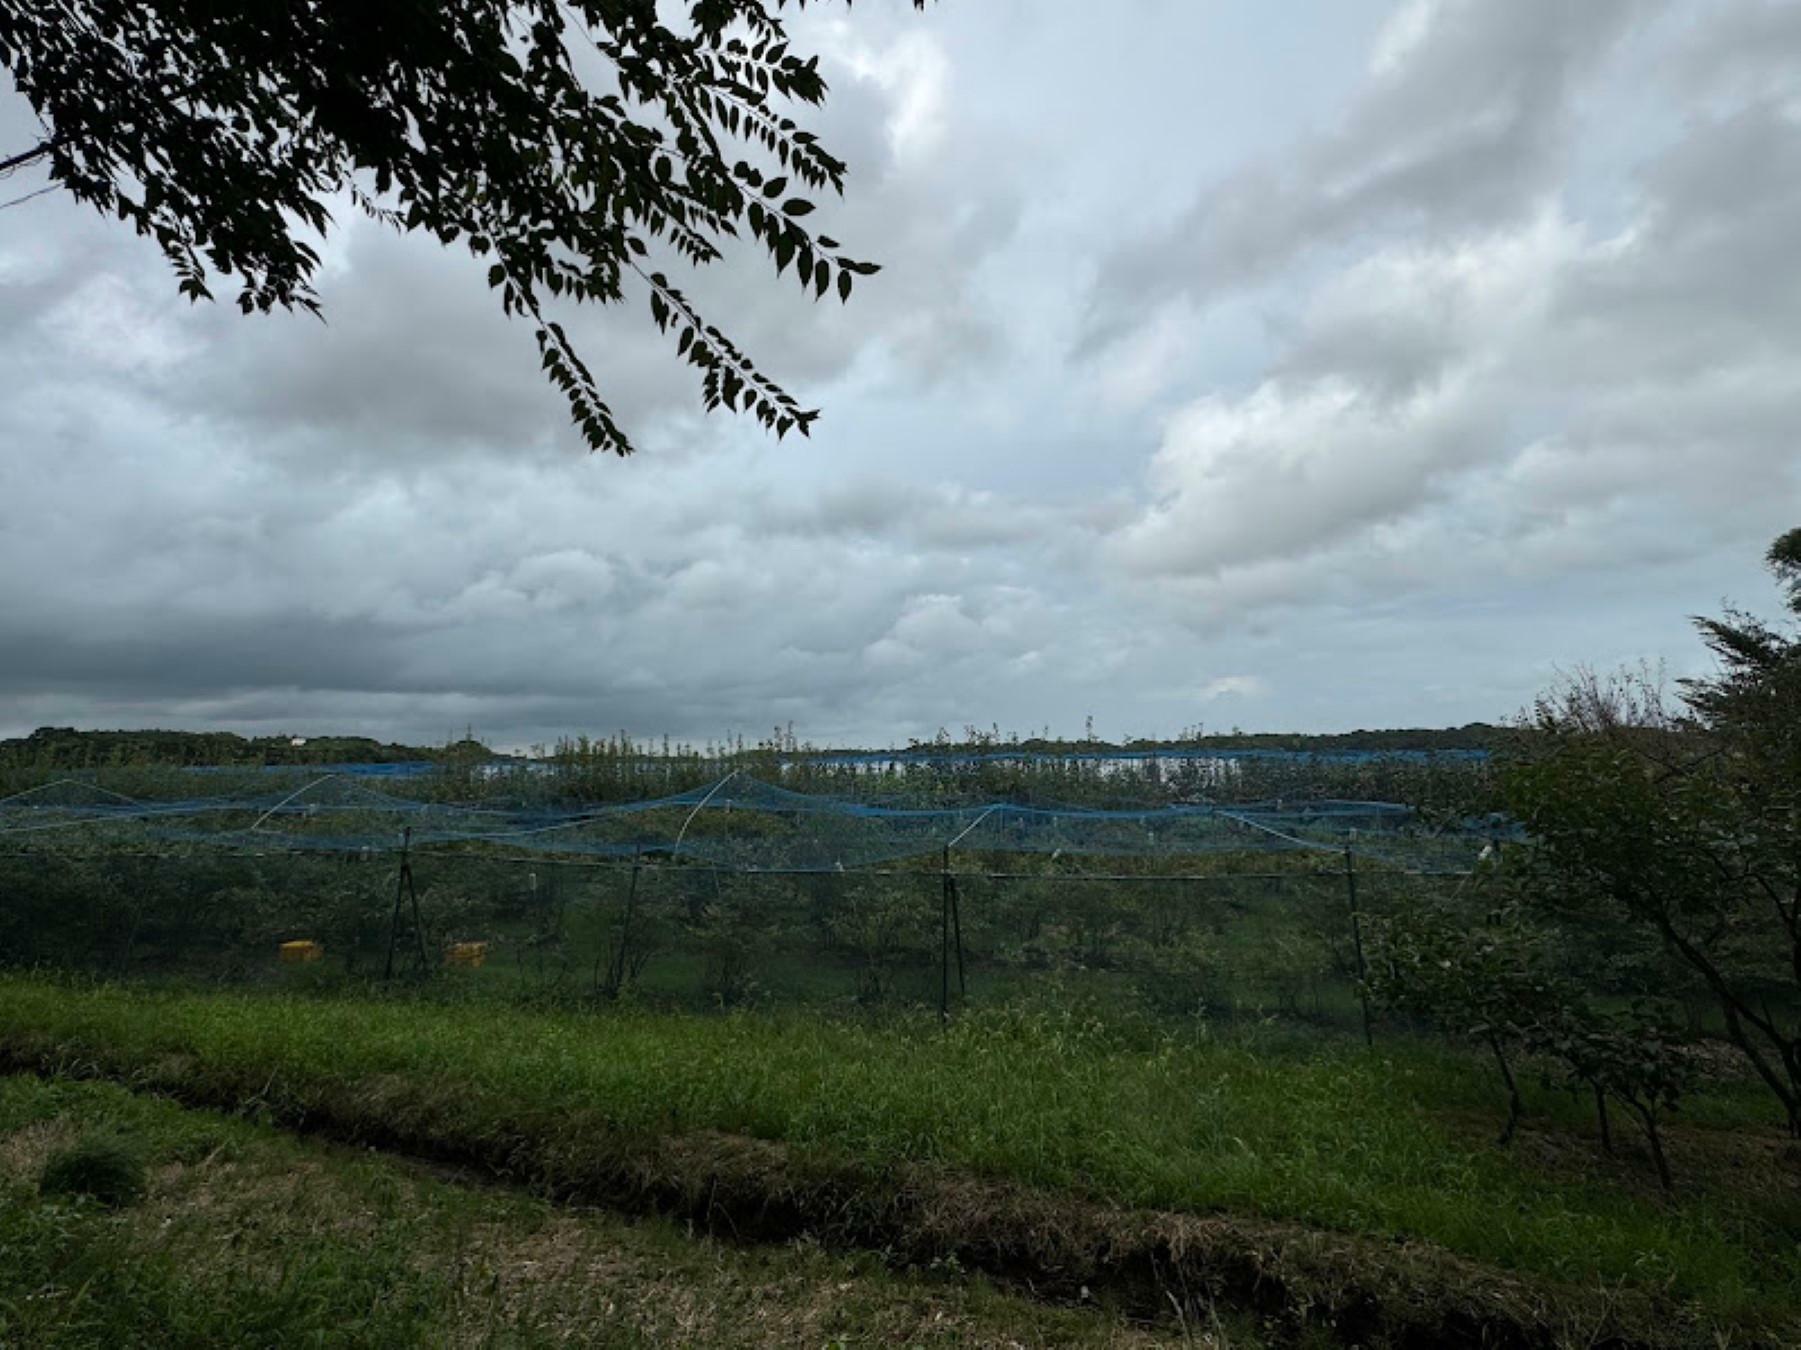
(251, 1236)
(23, 1151)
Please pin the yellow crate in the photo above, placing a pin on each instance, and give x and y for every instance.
(293, 953)
(471, 954)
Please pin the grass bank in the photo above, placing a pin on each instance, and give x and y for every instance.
(247, 1236)
(1360, 1184)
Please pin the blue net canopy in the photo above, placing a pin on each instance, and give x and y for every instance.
(738, 823)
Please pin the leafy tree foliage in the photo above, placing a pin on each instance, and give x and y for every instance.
(1506, 984)
(1682, 823)
(575, 144)
(1755, 701)
(62, 748)
(1480, 984)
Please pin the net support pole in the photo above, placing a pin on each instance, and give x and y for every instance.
(387, 970)
(957, 935)
(944, 941)
(1363, 989)
(418, 919)
(403, 890)
(616, 967)
(950, 923)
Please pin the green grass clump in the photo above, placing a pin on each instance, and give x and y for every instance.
(103, 1165)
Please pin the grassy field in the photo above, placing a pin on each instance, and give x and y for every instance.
(842, 1126)
(247, 1236)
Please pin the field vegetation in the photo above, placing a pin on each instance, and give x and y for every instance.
(1545, 1098)
(246, 1235)
(1018, 1134)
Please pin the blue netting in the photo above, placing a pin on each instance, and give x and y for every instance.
(738, 823)
(878, 759)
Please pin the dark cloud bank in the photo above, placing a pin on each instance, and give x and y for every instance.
(1486, 365)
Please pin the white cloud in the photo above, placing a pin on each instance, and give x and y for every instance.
(1286, 472)
(1233, 686)
(914, 71)
(1403, 33)
(1139, 366)
(110, 325)
(1521, 402)
(1465, 128)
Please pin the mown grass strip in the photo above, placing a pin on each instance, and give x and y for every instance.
(874, 1123)
(249, 1237)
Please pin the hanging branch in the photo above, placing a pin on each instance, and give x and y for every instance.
(224, 132)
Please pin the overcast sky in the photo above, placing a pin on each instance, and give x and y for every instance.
(1301, 366)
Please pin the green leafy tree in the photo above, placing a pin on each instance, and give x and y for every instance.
(1484, 983)
(576, 145)
(1682, 824)
(735, 934)
(882, 928)
(1500, 983)
(1634, 1057)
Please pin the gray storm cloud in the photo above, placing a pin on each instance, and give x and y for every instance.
(1456, 345)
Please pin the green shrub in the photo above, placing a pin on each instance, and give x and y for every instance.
(103, 1164)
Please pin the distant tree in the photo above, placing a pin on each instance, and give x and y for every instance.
(224, 132)
(1681, 825)
(1755, 700)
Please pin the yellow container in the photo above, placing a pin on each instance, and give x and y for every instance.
(293, 953)
(471, 954)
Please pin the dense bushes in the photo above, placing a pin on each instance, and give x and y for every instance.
(1680, 825)
(1664, 861)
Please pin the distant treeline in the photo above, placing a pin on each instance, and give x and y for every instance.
(67, 748)
(1474, 736)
